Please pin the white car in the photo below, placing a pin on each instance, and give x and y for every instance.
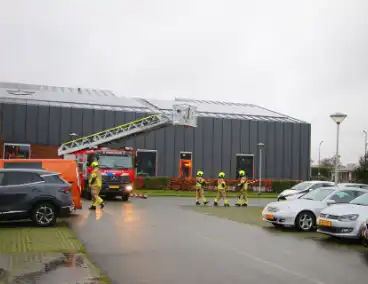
(360, 185)
(302, 213)
(344, 220)
(302, 188)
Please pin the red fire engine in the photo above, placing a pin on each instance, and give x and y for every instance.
(117, 168)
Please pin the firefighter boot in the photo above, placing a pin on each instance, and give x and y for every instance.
(198, 203)
(93, 207)
(226, 203)
(102, 205)
(215, 203)
(244, 205)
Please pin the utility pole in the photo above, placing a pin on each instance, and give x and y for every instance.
(319, 159)
(365, 149)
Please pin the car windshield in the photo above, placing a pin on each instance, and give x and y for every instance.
(318, 194)
(361, 200)
(301, 186)
(115, 161)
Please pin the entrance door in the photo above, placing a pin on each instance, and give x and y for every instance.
(146, 163)
(245, 162)
(185, 165)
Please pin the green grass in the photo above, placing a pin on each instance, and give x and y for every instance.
(253, 216)
(20, 237)
(174, 193)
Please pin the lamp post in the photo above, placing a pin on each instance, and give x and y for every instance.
(338, 118)
(319, 158)
(365, 149)
(260, 147)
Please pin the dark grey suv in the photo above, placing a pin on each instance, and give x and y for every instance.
(34, 194)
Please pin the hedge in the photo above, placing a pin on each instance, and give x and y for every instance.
(189, 184)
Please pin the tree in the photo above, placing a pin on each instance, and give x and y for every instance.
(362, 170)
(330, 162)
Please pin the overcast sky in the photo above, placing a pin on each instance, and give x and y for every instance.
(306, 59)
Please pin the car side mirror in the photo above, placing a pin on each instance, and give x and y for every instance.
(331, 202)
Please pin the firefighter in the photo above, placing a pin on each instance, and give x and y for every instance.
(221, 190)
(95, 184)
(243, 186)
(200, 183)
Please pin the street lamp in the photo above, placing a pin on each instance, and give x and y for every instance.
(319, 158)
(338, 118)
(260, 146)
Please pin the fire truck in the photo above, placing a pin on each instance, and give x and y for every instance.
(118, 166)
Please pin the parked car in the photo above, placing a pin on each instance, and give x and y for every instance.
(34, 194)
(360, 185)
(302, 212)
(365, 234)
(344, 220)
(302, 188)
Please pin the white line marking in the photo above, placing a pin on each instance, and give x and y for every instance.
(266, 262)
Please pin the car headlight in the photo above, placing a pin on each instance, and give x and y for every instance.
(272, 209)
(129, 188)
(347, 218)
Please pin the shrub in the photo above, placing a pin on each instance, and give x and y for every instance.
(155, 182)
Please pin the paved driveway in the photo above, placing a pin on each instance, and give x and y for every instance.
(155, 241)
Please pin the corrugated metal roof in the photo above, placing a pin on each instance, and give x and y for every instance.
(105, 99)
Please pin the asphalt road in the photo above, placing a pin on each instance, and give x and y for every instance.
(156, 241)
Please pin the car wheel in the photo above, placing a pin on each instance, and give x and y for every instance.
(44, 215)
(125, 197)
(305, 221)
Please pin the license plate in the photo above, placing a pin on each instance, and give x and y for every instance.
(325, 223)
(114, 186)
(269, 217)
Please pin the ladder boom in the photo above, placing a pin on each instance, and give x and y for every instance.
(182, 115)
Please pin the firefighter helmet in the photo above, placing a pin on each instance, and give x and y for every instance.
(221, 175)
(199, 174)
(94, 164)
(242, 173)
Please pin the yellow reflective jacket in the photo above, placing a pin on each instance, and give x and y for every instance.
(98, 178)
(221, 184)
(199, 182)
(244, 184)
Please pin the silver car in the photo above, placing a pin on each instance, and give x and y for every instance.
(302, 212)
(302, 188)
(344, 220)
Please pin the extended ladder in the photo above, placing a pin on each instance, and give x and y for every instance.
(181, 115)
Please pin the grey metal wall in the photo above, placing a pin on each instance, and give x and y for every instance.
(214, 143)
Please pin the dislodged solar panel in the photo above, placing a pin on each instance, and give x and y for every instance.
(231, 108)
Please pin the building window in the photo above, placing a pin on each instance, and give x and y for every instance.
(245, 162)
(16, 151)
(146, 162)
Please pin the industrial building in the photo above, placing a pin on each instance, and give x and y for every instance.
(36, 119)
